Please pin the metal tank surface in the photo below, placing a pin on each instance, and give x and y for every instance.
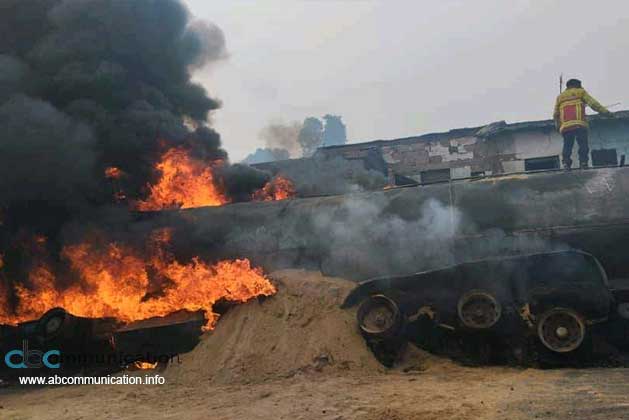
(409, 229)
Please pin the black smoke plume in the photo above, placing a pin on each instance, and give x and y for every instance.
(89, 84)
(86, 85)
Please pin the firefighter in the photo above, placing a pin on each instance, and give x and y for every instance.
(571, 121)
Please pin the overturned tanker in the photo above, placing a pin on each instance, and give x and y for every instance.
(549, 304)
(410, 229)
(103, 345)
(517, 259)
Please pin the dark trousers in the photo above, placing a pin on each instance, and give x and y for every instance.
(581, 136)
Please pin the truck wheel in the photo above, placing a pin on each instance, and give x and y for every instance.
(56, 323)
(379, 317)
(561, 330)
(478, 309)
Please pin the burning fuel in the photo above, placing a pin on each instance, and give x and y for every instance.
(279, 188)
(114, 280)
(94, 132)
(188, 182)
(184, 182)
(144, 365)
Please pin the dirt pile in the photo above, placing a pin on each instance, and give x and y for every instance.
(299, 330)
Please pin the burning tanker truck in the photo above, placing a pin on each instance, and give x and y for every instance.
(533, 263)
(102, 123)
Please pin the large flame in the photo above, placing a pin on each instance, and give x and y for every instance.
(279, 188)
(187, 182)
(184, 182)
(115, 281)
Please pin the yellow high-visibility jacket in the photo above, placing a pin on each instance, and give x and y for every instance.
(570, 109)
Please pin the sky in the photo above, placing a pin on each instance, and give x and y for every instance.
(400, 68)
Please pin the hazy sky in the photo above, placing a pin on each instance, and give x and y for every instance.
(400, 68)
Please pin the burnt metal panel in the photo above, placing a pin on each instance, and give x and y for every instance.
(583, 209)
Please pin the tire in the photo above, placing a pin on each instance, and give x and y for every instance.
(57, 323)
(561, 330)
(379, 317)
(478, 310)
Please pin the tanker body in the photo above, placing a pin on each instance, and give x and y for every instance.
(516, 259)
(417, 228)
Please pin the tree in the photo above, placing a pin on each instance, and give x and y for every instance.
(334, 132)
(310, 136)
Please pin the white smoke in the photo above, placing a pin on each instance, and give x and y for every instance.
(363, 238)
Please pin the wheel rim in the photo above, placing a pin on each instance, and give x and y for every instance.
(478, 309)
(561, 330)
(52, 323)
(378, 315)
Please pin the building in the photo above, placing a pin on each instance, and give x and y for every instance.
(497, 148)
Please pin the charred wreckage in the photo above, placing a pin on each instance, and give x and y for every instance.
(125, 230)
(554, 303)
(548, 289)
(563, 300)
(525, 268)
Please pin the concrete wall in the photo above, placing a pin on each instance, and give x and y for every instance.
(614, 134)
(515, 147)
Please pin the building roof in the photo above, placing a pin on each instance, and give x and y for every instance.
(485, 131)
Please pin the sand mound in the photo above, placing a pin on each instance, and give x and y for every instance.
(301, 329)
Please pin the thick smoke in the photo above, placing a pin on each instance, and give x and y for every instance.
(86, 85)
(363, 240)
(321, 175)
(283, 136)
(296, 140)
(47, 155)
(113, 78)
(280, 141)
(360, 235)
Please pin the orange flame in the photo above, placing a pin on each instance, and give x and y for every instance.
(113, 172)
(144, 365)
(279, 188)
(115, 281)
(185, 182)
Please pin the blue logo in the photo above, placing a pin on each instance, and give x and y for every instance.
(24, 358)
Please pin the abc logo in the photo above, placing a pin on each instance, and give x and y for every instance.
(25, 358)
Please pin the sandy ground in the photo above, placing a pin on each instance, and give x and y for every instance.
(479, 393)
(298, 356)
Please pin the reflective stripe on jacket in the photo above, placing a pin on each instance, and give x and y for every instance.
(570, 109)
